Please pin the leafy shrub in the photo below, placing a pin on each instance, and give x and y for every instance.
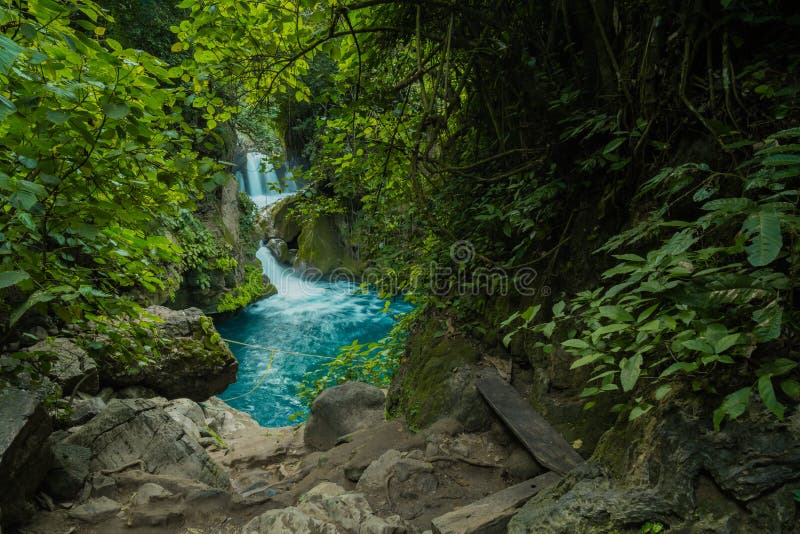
(711, 302)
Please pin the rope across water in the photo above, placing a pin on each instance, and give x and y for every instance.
(272, 352)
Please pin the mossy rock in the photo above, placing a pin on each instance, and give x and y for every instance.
(437, 379)
(320, 246)
(285, 224)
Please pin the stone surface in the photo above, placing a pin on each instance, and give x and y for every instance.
(195, 363)
(341, 410)
(24, 454)
(670, 466)
(96, 510)
(72, 365)
(413, 475)
(326, 509)
(437, 380)
(280, 250)
(85, 409)
(283, 224)
(149, 492)
(138, 429)
(492, 513)
(69, 471)
(188, 414)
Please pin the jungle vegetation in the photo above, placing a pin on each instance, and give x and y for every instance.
(642, 156)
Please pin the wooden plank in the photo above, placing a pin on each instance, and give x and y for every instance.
(491, 514)
(543, 441)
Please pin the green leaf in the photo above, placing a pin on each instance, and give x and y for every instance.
(732, 407)
(613, 145)
(639, 411)
(9, 51)
(767, 393)
(777, 367)
(36, 298)
(726, 342)
(586, 360)
(764, 230)
(57, 116)
(575, 344)
(558, 307)
(630, 371)
(730, 205)
(10, 278)
(768, 323)
(791, 388)
(116, 110)
(686, 367)
(616, 313)
(662, 391)
(780, 160)
(700, 346)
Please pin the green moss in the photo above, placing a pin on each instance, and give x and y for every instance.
(251, 290)
(320, 246)
(422, 396)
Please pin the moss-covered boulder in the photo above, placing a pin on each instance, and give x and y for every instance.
(192, 360)
(669, 467)
(437, 379)
(320, 246)
(282, 222)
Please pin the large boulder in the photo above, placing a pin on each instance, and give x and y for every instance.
(280, 250)
(341, 410)
(283, 223)
(138, 432)
(669, 466)
(69, 472)
(71, 368)
(437, 379)
(194, 363)
(24, 454)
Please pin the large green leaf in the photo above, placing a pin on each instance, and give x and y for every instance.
(9, 52)
(10, 278)
(631, 368)
(767, 393)
(732, 407)
(764, 230)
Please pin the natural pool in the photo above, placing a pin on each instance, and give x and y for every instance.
(306, 317)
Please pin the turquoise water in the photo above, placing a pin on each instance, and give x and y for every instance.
(308, 317)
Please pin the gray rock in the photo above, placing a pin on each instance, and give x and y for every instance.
(154, 518)
(72, 366)
(280, 250)
(70, 469)
(24, 453)
(195, 363)
(95, 510)
(130, 430)
(327, 509)
(520, 465)
(85, 409)
(188, 414)
(102, 485)
(341, 410)
(136, 392)
(149, 492)
(414, 477)
(669, 466)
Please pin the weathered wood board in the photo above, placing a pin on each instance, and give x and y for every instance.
(543, 441)
(491, 514)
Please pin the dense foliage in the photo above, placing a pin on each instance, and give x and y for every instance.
(501, 124)
(96, 152)
(527, 130)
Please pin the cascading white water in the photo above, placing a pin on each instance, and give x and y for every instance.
(261, 181)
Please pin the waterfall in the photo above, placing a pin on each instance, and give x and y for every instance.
(288, 284)
(261, 182)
